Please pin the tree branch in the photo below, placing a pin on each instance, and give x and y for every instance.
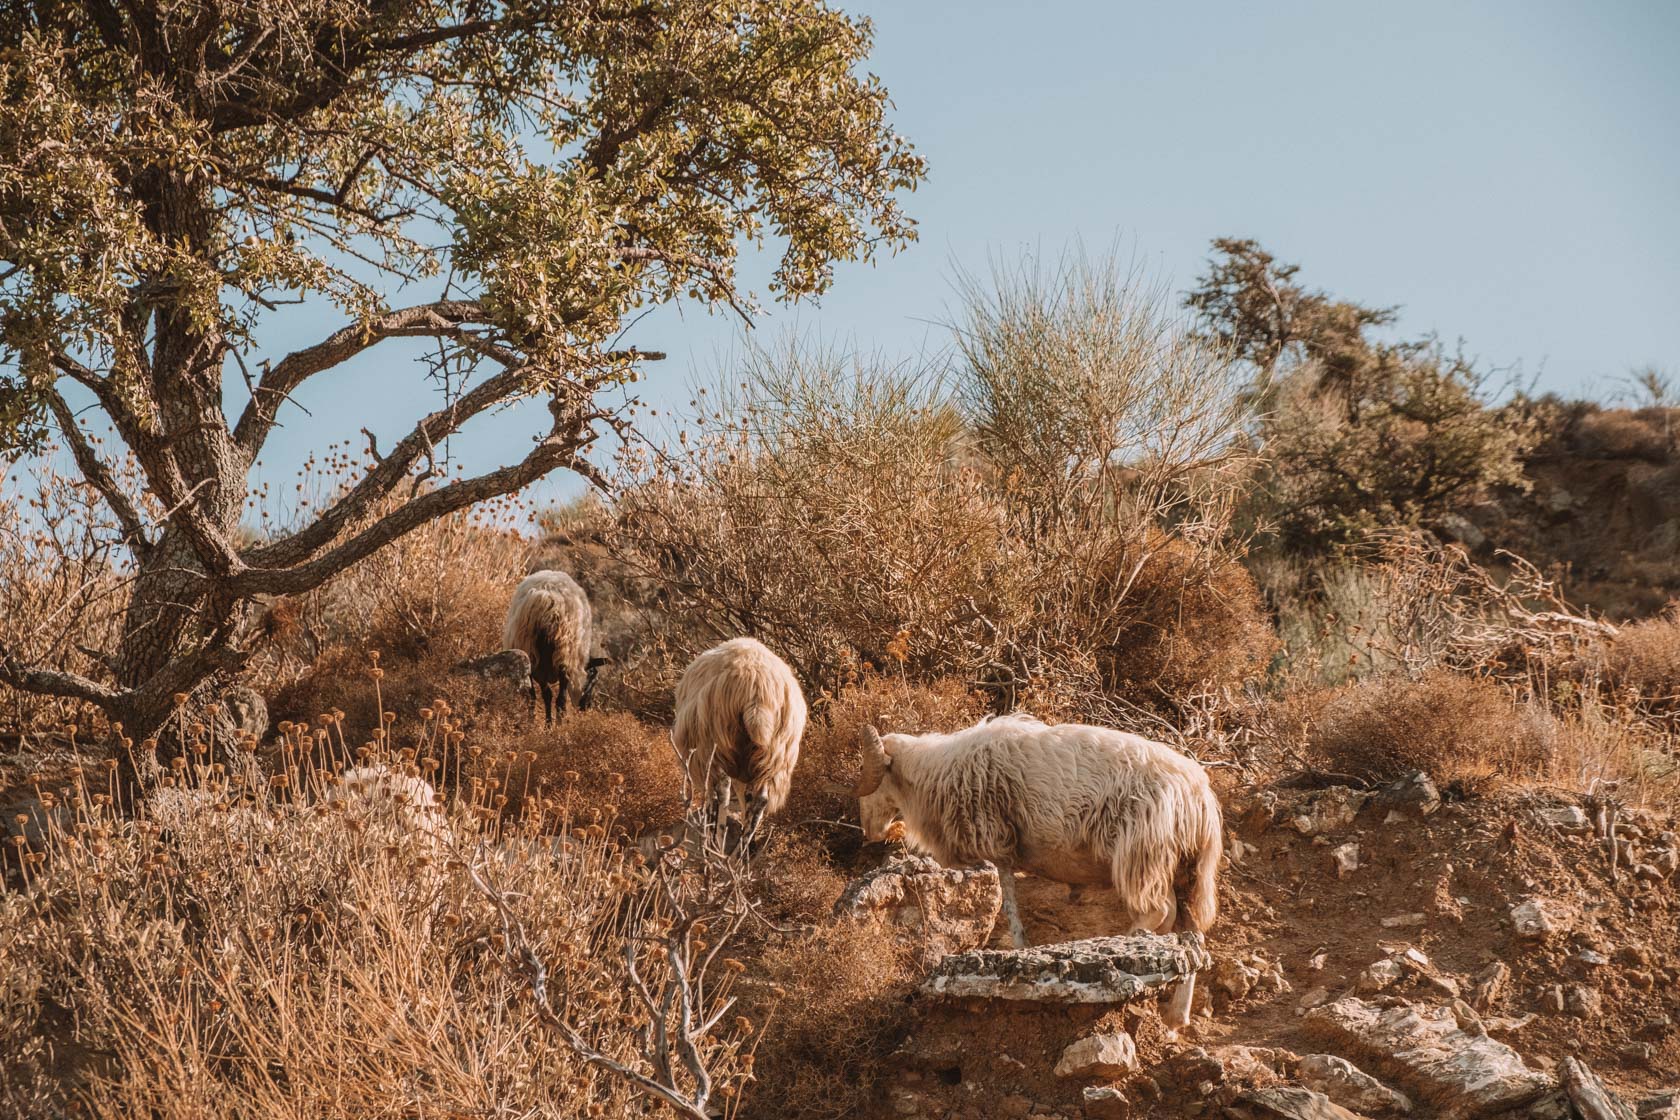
(562, 447)
(93, 469)
(444, 317)
(53, 682)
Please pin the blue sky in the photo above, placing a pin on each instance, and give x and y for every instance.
(1508, 173)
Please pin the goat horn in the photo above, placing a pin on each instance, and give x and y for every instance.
(874, 761)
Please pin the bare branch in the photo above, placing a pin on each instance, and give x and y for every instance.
(443, 317)
(53, 682)
(562, 447)
(94, 469)
(530, 968)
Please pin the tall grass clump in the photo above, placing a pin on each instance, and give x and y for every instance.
(1044, 517)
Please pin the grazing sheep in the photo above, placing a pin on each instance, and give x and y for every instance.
(550, 620)
(1078, 804)
(739, 718)
(381, 795)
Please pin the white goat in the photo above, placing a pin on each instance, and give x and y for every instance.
(1078, 804)
(550, 620)
(740, 715)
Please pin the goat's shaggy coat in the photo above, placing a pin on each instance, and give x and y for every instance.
(740, 715)
(1079, 804)
(550, 620)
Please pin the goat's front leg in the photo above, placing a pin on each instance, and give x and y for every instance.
(1017, 932)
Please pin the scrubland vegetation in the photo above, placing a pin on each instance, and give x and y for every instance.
(1096, 537)
(1251, 521)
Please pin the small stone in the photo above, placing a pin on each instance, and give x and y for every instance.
(1315, 997)
(1552, 999)
(1015, 1105)
(1379, 975)
(1237, 850)
(1592, 958)
(1322, 811)
(1648, 872)
(1350, 1086)
(1415, 794)
(1400, 921)
(1234, 977)
(1488, 985)
(1583, 1002)
(1564, 818)
(1289, 1103)
(1534, 919)
(1346, 859)
(1666, 860)
(1105, 1055)
(1103, 1102)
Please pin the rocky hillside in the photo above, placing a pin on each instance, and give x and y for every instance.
(1602, 505)
(1380, 953)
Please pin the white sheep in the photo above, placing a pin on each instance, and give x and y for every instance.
(550, 620)
(379, 795)
(1078, 804)
(739, 718)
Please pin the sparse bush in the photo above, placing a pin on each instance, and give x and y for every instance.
(1466, 732)
(1644, 658)
(1031, 530)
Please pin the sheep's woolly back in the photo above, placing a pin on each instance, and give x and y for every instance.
(380, 794)
(550, 620)
(740, 712)
(1072, 802)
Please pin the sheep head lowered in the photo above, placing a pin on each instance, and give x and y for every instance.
(877, 789)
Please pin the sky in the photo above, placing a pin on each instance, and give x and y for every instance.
(1508, 173)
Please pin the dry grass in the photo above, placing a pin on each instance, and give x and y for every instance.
(1644, 659)
(251, 954)
(839, 1010)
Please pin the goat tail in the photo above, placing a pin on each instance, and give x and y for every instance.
(1202, 905)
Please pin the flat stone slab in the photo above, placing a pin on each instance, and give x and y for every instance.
(1094, 970)
(1463, 1074)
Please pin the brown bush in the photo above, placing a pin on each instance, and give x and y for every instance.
(1465, 732)
(1645, 657)
(1646, 433)
(1198, 622)
(834, 1007)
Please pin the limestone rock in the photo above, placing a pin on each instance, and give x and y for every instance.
(1592, 1100)
(1317, 812)
(1379, 975)
(1660, 1106)
(1414, 795)
(1105, 1103)
(1290, 1103)
(1095, 970)
(1583, 1002)
(1464, 1075)
(1107, 1054)
(1567, 817)
(1345, 859)
(510, 666)
(1350, 1086)
(941, 910)
(1535, 918)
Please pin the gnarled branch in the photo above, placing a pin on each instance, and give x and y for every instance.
(97, 473)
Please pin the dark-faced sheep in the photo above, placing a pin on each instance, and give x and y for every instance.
(1078, 804)
(739, 718)
(550, 620)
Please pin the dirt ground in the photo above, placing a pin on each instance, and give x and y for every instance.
(1446, 884)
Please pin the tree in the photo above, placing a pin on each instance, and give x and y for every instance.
(171, 171)
(1360, 434)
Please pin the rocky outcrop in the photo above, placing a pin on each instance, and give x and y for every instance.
(939, 910)
(1350, 1086)
(1287, 1102)
(1095, 970)
(512, 667)
(1463, 1074)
